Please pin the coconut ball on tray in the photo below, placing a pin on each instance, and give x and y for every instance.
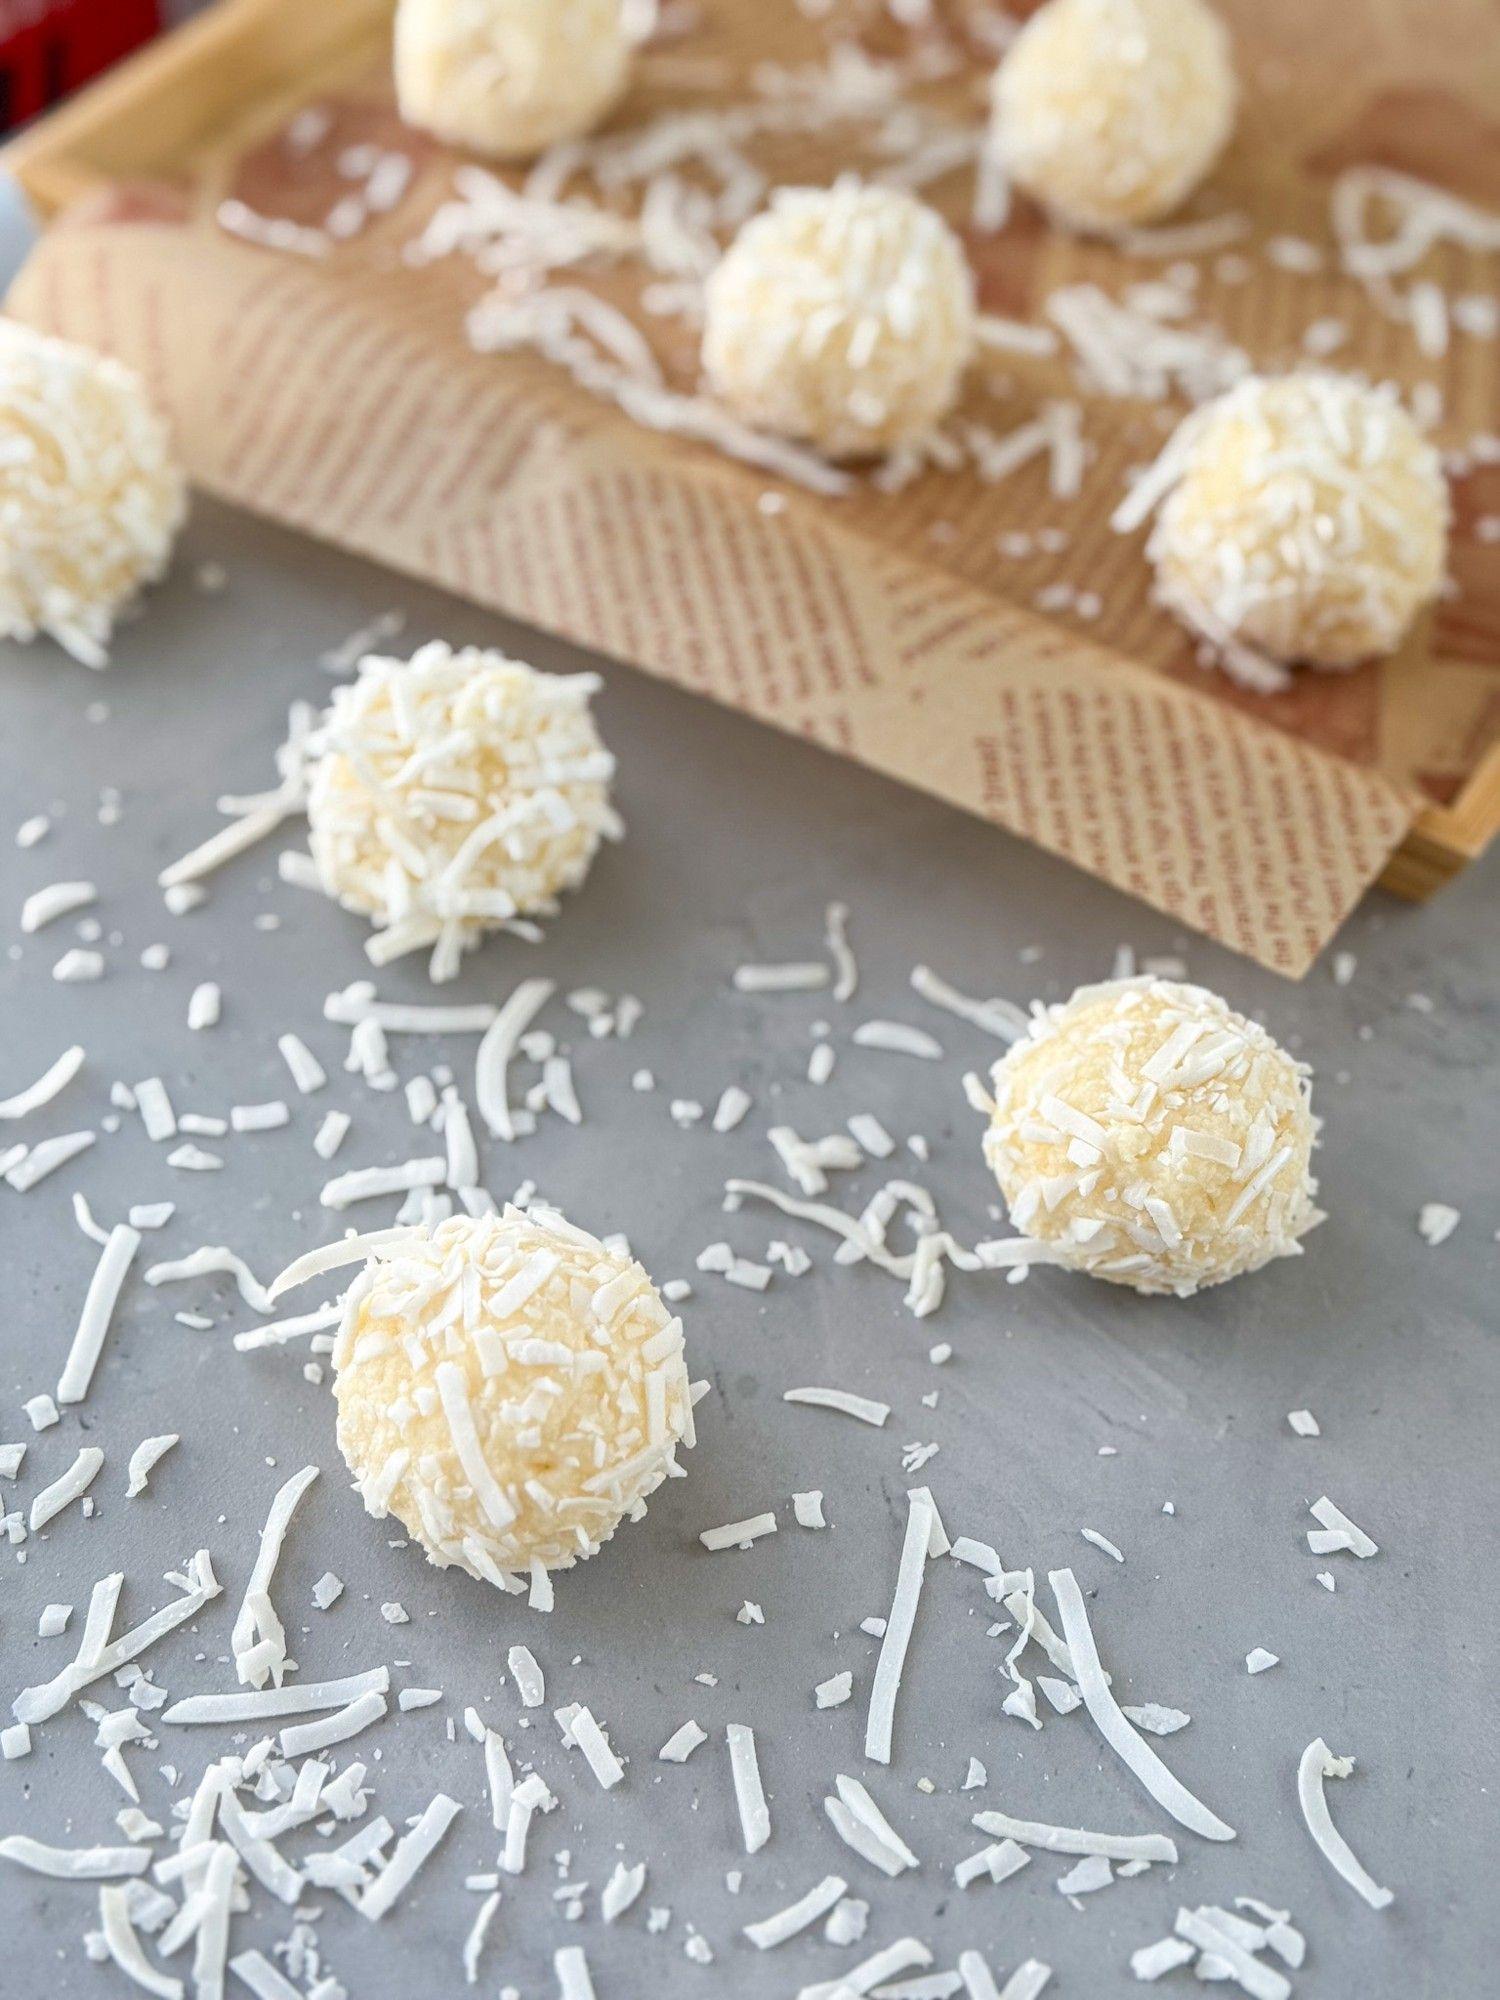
(453, 793)
(843, 318)
(510, 1389)
(1147, 1134)
(1307, 520)
(509, 78)
(1110, 112)
(91, 496)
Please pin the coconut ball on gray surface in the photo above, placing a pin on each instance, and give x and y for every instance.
(843, 318)
(1147, 1134)
(509, 78)
(455, 792)
(91, 495)
(511, 1389)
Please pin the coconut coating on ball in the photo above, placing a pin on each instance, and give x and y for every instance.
(1110, 112)
(509, 1388)
(510, 78)
(91, 495)
(1149, 1135)
(454, 792)
(1308, 520)
(841, 317)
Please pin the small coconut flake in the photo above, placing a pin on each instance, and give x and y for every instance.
(835, 1691)
(302, 1739)
(15, 1742)
(846, 966)
(805, 977)
(327, 1590)
(1304, 1423)
(1093, 1872)
(1156, 1720)
(259, 1639)
(1257, 1661)
(749, 1793)
(79, 967)
(1154, 1961)
(1000, 1018)
(147, 1455)
(808, 1508)
(411, 1851)
(797, 1917)
(898, 1038)
(681, 1744)
(267, 1117)
(1211, 1931)
(307, 1073)
(860, 1407)
(49, 1085)
(1317, 1764)
(497, 1047)
(46, 1158)
(41, 1412)
(300, 1698)
(530, 1683)
(573, 1979)
(66, 1488)
(1437, 1222)
(192, 1159)
(739, 1534)
(1132, 1749)
(98, 1310)
(911, 1572)
(58, 899)
(1101, 1542)
(204, 1007)
(621, 1890)
(1149, 1847)
(731, 1108)
(879, 1968)
(1337, 1533)
(74, 1864)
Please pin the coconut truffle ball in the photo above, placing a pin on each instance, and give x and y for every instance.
(510, 78)
(91, 497)
(1149, 1135)
(1110, 112)
(841, 317)
(454, 792)
(510, 1389)
(1309, 520)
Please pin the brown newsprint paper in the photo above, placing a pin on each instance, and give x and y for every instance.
(340, 394)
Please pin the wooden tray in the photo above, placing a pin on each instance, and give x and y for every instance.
(244, 62)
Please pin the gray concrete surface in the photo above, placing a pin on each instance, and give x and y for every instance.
(737, 840)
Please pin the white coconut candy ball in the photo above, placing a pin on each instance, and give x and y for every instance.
(455, 792)
(1147, 1134)
(1308, 520)
(91, 496)
(509, 78)
(1110, 112)
(841, 317)
(510, 1389)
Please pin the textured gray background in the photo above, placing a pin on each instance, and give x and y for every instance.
(737, 840)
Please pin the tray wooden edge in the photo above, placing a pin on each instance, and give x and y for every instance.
(200, 67)
(174, 89)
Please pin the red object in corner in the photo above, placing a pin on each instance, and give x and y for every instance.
(49, 47)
